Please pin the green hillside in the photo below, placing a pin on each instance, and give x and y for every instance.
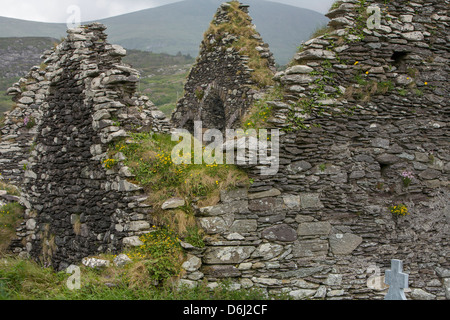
(162, 76)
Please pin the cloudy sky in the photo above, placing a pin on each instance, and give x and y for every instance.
(61, 10)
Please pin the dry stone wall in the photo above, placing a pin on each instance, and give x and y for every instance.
(219, 89)
(78, 201)
(362, 109)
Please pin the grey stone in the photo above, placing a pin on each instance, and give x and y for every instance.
(310, 248)
(314, 228)
(430, 174)
(240, 206)
(227, 255)
(420, 294)
(281, 232)
(132, 241)
(413, 36)
(299, 166)
(121, 260)
(221, 271)
(192, 263)
(342, 244)
(233, 195)
(267, 251)
(139, 226)
(310, 200)
(292, 201)
(244, 226)
(213, 225)
(173, 203)
(299, 69)
(270, 193)
(301, 294)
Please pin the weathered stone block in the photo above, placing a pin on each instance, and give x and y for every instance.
(342, 244)
(281, 232)
(310, 248)
(244, 226)
(221, 271)
(265, 194)
(310, 201)
(227, 255)
(267, 251)
(314, 229)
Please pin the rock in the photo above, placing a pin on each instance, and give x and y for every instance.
(95, 263)
(173, 203)
(192, 263)
(270, 193)
(342, 244)
(244, 226)
(301, 294)
(121, 260)
(299, 69)
(314, 228)
(419, 294)
(139, 226)
(227, 255)
(413, 36)
(310, 201)
(267, 251)
(310, 248)
(222, 271)
(132, 242)
(292, 201)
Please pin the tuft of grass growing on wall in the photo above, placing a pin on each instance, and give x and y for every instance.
(149, 156)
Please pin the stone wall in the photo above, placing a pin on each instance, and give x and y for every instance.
(78, 201)
(19, 128)
(220, 87)
(361, 107)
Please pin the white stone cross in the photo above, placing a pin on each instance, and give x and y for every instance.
(397, 281)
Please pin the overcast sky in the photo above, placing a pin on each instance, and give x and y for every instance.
(61, 10)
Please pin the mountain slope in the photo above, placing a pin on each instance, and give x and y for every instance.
(179, 27)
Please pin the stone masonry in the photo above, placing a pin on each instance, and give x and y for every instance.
(82, 100)
(361, 107)
(220, 86)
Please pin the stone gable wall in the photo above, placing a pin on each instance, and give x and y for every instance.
(218, 90)
(83, 102)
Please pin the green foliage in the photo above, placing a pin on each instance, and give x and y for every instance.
(160, 253)
(260, 111)
(195, 236)
(26, 280)
(10, 216)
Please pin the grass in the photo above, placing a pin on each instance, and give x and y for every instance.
(26, 280)
(150, 160)
(10, 217)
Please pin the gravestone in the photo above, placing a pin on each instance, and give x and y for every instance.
(397, 281)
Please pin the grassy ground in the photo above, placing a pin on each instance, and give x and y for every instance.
(25, 280)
